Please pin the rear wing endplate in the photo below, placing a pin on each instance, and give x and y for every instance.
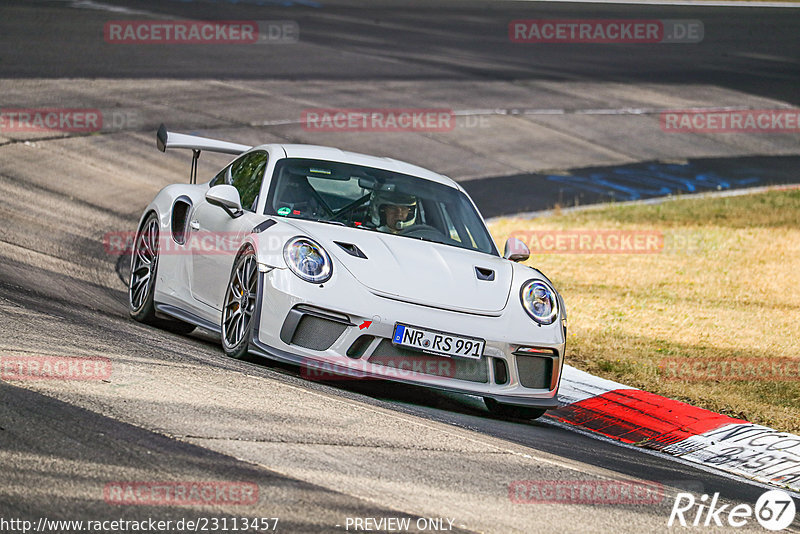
(166, 139)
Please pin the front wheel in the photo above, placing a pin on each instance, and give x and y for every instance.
(144, 266)
(509, 411)
(239, 305)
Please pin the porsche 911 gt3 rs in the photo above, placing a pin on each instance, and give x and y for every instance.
(361, 265)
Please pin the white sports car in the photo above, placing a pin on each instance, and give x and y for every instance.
(348, 264)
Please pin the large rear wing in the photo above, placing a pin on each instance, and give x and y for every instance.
(166, 139)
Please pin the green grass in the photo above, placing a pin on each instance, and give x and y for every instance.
(770, 210)
(726, 286)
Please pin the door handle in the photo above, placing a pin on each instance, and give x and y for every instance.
(194, 225)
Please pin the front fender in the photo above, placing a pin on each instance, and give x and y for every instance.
(269, 242)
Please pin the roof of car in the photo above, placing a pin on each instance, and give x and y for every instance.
(343, 156)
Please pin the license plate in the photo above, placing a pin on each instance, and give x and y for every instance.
(437, 342)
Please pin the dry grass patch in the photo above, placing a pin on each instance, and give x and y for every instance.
(726, 286)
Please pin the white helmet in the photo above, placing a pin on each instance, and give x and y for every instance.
(380, 199)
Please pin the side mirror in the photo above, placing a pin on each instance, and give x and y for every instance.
(516, 250)
(227, 197)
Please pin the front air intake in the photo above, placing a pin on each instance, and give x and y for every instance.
(312, 328)
(534, 371)
(316, 334)
(359, 346)
(500, 371)
(406, 361)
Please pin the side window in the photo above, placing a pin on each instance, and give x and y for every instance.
(219, 178)
(247, 173)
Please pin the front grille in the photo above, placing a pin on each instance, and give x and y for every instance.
(316, 333)
(534, 372)
(390, 355)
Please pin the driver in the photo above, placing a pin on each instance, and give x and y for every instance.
(392, 212)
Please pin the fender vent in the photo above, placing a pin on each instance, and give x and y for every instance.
(263, 226)
(180, 219)
(351, 249)
(484, 274)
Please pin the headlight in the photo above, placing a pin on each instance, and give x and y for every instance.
(540, 301)
(308, 260)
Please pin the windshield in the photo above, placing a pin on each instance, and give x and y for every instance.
(378, 200)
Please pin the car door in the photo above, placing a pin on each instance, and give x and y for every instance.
(218, 235)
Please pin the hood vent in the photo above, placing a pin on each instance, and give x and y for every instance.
(484, 274)
(354, 251)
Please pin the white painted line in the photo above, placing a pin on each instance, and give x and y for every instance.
(692, 3)
(275, 122)
(607, 111)
(99, 6)
(577, 385)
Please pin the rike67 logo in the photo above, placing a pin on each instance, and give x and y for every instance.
(774, 510)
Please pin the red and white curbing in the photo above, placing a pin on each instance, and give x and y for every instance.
(646, 420)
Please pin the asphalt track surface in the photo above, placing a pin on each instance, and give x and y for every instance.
(174, 408)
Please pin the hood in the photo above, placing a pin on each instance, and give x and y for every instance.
(421, 272)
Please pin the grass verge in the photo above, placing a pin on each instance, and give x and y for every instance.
(723, 286)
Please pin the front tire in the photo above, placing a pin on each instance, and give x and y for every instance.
(509, 411)
(239, 305)
(141, 287)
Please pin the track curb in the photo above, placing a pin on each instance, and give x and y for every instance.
(700, 436)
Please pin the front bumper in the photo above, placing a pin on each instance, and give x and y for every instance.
(317, 327)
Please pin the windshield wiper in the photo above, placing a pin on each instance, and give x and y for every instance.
(428, 239)
(326, 221)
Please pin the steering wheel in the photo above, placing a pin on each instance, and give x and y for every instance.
(422, 230)
(350, 208)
